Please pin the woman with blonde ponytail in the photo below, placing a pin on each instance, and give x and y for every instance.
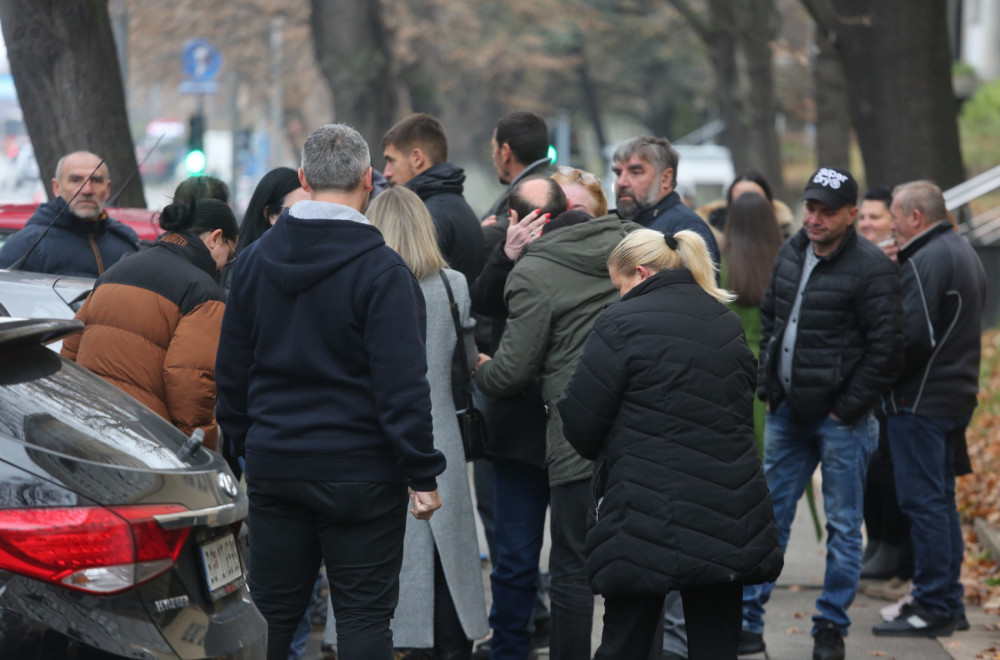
(662, 400)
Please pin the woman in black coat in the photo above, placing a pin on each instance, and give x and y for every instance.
(662, 399)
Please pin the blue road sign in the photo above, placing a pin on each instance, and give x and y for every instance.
(200, 60)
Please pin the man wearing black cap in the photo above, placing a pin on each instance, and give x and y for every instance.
(831, 345)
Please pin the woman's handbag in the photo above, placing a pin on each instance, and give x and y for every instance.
(470, 420)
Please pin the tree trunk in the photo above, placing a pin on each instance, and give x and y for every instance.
(65, 68)
(722, 53)
(898, 69)
(833, 112)
(756, 36)
(354, 51)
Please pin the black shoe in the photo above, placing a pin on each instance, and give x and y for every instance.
(540, 638)
(959, 622)
(327, 652)
(915, 621)
(482, 652)
(828, 642)
(750, 643)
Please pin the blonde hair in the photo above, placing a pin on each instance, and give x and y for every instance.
(408, 229)
(652, 250)
(570, 175)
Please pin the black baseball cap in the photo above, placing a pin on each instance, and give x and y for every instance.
(832, 187)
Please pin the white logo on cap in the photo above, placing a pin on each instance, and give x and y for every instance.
(829, 178)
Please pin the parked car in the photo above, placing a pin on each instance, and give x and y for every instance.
(118, 534)
(39, 295)
(145, 222)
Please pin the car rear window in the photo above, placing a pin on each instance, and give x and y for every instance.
(55, 406)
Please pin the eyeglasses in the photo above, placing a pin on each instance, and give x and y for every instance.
(232, 249)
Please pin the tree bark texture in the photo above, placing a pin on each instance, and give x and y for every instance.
(355, 54)
(65, 69)
(833, 112)
(738, 36)
(897, 64)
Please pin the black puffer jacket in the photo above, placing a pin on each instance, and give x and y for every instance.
(458, 232)
(944, 292)
(663, 399)
(849, 347)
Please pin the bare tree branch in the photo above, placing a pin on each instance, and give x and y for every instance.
(826, 17)
(694, 19)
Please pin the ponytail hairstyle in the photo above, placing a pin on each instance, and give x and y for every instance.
(659, 252)
(203, 215)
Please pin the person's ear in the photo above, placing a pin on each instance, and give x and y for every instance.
(216, 236)
(505, 153)
(644, 272)
(303, 182)
(667, 179)
(366, 180)
(418, 160)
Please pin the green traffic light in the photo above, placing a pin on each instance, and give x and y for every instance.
(553, 156)
(195, 161)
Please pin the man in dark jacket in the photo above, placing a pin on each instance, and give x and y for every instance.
(944, 291)
(77, 236)
(416, 155)
(645, 177)
(831, 345)
(322, 387)
(520, 149)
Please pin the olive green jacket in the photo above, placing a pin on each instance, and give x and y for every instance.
(554, 294)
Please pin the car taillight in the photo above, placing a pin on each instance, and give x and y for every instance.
(93, 549)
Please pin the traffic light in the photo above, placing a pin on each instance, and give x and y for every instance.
(194, 161)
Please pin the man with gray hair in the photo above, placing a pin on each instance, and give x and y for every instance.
(645, 180)
(72, 234)
(929, 407)
(322, 389)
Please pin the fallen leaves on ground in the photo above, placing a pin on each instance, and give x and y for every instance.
(978, 494)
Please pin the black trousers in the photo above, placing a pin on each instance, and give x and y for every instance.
(570, 593)
(357, 528)
(713, 615)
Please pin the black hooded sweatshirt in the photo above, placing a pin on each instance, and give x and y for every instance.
(321, 370)
(458, 232)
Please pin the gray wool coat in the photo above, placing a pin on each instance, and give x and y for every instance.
(452, 528)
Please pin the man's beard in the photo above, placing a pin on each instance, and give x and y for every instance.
(629, 207)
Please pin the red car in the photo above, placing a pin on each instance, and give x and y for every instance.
(145, 222)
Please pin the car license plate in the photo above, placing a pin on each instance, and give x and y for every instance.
(222, 565)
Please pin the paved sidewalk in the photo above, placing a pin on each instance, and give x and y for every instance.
(789, 614)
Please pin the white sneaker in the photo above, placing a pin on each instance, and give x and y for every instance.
(890, 612)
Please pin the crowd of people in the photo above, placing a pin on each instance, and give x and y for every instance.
(663, 385)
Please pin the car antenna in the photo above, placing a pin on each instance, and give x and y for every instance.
(114, 198)
(17, 265)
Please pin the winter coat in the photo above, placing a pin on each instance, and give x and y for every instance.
(662, 398)
(554, 294)
(452, 529)
(944, 292)
(322, 370)
(670, 215)
(72, 246)
(458, 232)
(849, 346)
(152, 330)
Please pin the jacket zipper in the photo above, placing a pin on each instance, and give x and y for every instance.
(97, 254)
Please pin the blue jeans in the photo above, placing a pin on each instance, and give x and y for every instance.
(521, 494)
(791, 452)
(923, 456)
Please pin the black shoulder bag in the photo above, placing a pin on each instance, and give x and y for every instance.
(470, 420)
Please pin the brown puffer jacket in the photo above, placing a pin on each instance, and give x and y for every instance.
(152, 330)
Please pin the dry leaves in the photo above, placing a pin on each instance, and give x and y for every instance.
(978, 494)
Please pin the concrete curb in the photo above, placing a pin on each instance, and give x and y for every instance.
(988, 536)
